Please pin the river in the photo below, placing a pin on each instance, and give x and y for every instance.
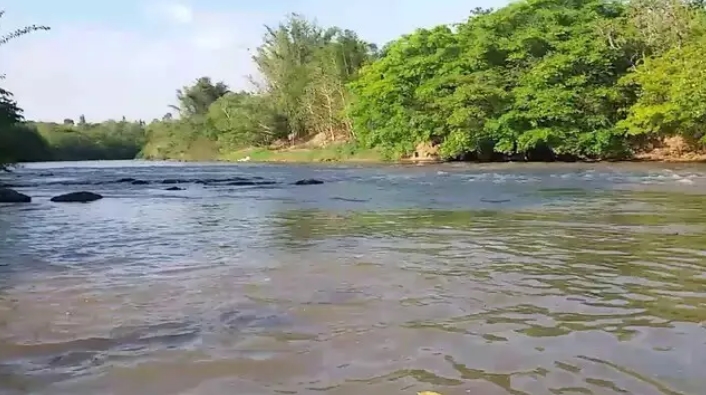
(461, 279)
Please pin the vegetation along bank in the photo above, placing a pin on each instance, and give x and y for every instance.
(535, 80)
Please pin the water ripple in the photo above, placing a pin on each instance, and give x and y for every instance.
(492, 279)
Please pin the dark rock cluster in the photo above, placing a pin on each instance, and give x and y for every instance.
(8, 195)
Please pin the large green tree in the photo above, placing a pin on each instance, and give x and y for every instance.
(672, 98)
(194, 100)
(535, 77)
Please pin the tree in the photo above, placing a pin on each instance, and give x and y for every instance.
(10, 117)
(660, 25)
(305, 68)
(195, 99)
(10, 113)
(533, 79)
(245, 119)
(672, 98)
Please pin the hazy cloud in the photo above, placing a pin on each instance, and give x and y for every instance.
(105, 72)
(180, 13)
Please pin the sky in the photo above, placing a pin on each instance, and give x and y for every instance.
(108, 59)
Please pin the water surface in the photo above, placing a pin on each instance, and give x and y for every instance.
(462, 279)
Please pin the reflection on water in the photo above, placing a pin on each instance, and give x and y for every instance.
(383, 280)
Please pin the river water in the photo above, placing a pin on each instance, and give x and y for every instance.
(461, 279)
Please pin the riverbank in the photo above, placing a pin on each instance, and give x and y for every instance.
(330, 155)
(343, 152)
(670, 150)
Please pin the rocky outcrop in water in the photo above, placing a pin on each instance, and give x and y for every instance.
(77, 197)
(249, 182)
(231, 181)
(8, 195)
(309, 181)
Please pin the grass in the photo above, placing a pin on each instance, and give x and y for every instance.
(343, 152)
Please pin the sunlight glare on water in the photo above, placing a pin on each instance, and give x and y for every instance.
(461, 279)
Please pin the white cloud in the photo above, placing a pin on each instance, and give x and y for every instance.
(180, 13)
(105, 72)
(172, 12)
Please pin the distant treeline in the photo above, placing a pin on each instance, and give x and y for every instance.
(537, 79)
(41, 141)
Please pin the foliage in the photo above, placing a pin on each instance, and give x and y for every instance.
(12, 132)
(194, 100)
(245, 119)
(535, 80)
(660, 25)
(22, 143)
(304, 70)
(672, 99)
(45, 141)
(538, 79)
(532, 76)
(88, 141)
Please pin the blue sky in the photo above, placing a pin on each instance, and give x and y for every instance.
(110, 58)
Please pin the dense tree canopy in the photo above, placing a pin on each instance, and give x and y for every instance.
(537, 79)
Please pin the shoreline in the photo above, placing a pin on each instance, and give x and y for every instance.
(322, 155)
(336, 155)
(300, 161)
(671, 150)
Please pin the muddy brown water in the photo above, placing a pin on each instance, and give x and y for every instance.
(461, 279)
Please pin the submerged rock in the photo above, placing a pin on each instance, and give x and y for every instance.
(309, 181)
(495, 201)
(247, 183)
(8, 195)
(77, 197)
(174, 189)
